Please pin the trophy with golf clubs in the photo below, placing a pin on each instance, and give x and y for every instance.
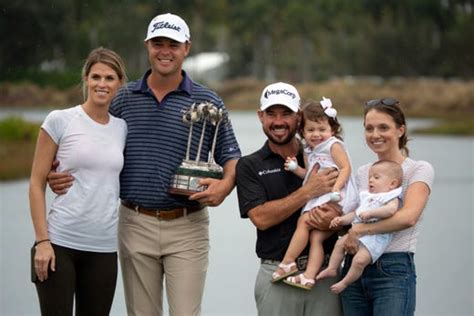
(186, 179)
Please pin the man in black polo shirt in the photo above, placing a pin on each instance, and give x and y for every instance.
(272, 198)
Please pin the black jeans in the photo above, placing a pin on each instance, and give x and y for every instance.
(89, 277)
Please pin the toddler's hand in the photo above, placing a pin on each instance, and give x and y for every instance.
(336, 221)
(291, 164)
(335, 196)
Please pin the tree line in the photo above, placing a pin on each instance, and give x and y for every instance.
(295, 40)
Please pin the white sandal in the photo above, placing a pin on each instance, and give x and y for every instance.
(288, 270)
(300, 281)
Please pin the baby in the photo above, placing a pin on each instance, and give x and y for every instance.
(381, 201)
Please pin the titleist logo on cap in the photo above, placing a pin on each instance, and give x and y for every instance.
(165, 25)
(280, 91)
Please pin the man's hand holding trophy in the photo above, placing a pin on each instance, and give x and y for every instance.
(188, 175)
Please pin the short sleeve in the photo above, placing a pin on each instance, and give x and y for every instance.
(53, 124)
(227, 147)
(124, 131)
(423, 171)
(250, 191)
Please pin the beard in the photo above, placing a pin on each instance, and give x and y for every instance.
(280, 141)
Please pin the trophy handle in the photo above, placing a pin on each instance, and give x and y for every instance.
(190, 136)
(201, 140)
(214, 140)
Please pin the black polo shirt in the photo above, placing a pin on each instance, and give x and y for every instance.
(261, 177)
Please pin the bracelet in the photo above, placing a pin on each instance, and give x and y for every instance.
(40, 241)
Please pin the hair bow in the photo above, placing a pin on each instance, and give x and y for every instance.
(328, 109)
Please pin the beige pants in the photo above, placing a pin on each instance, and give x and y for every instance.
(152, 251)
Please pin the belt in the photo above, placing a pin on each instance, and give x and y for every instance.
(164, 214)
(300, 262)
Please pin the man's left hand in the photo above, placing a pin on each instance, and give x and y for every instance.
(321, 216)
(214, 194)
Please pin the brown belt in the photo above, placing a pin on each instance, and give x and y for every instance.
(164, 214)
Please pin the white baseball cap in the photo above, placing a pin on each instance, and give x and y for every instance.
(170, 26)
(280, 93)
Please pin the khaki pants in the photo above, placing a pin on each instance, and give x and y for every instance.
(152, 251)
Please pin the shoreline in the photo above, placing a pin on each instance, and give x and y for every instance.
(420, 97)
(449, 102)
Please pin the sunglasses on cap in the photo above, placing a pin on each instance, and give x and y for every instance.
(384, 101)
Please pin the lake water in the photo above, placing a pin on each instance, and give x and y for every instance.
(444, 257)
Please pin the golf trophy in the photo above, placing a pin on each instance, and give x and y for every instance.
(186, 179)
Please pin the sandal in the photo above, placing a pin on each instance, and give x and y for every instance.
(300, 281)
(288, 269)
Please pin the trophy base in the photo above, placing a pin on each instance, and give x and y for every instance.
(186, 180)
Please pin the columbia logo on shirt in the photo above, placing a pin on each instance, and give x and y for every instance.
(268, 171)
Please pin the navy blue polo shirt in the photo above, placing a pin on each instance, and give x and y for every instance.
(157, 140)
(261, 177)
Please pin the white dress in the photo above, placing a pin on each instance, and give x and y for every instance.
(321, 155)
(376, 244)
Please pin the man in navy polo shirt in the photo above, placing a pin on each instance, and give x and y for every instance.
(272, 198)
(164, 237)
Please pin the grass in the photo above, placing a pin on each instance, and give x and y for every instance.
(17, 146)
(16, 158)
(461, 127)
(14, 128)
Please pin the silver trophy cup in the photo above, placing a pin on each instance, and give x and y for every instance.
(186, 179)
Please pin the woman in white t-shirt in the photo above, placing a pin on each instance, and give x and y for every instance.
(75, 261)
(388, 286)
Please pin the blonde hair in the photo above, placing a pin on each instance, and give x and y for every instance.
(107, 57)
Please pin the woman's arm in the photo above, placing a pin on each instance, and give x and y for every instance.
(415, 200)
(44, 154)
(340, 157)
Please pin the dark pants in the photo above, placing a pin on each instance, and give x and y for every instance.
(90, 277)
(387, 287)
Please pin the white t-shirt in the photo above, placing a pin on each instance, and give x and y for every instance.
(413, 171)
(85, 218)
(321, 155)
